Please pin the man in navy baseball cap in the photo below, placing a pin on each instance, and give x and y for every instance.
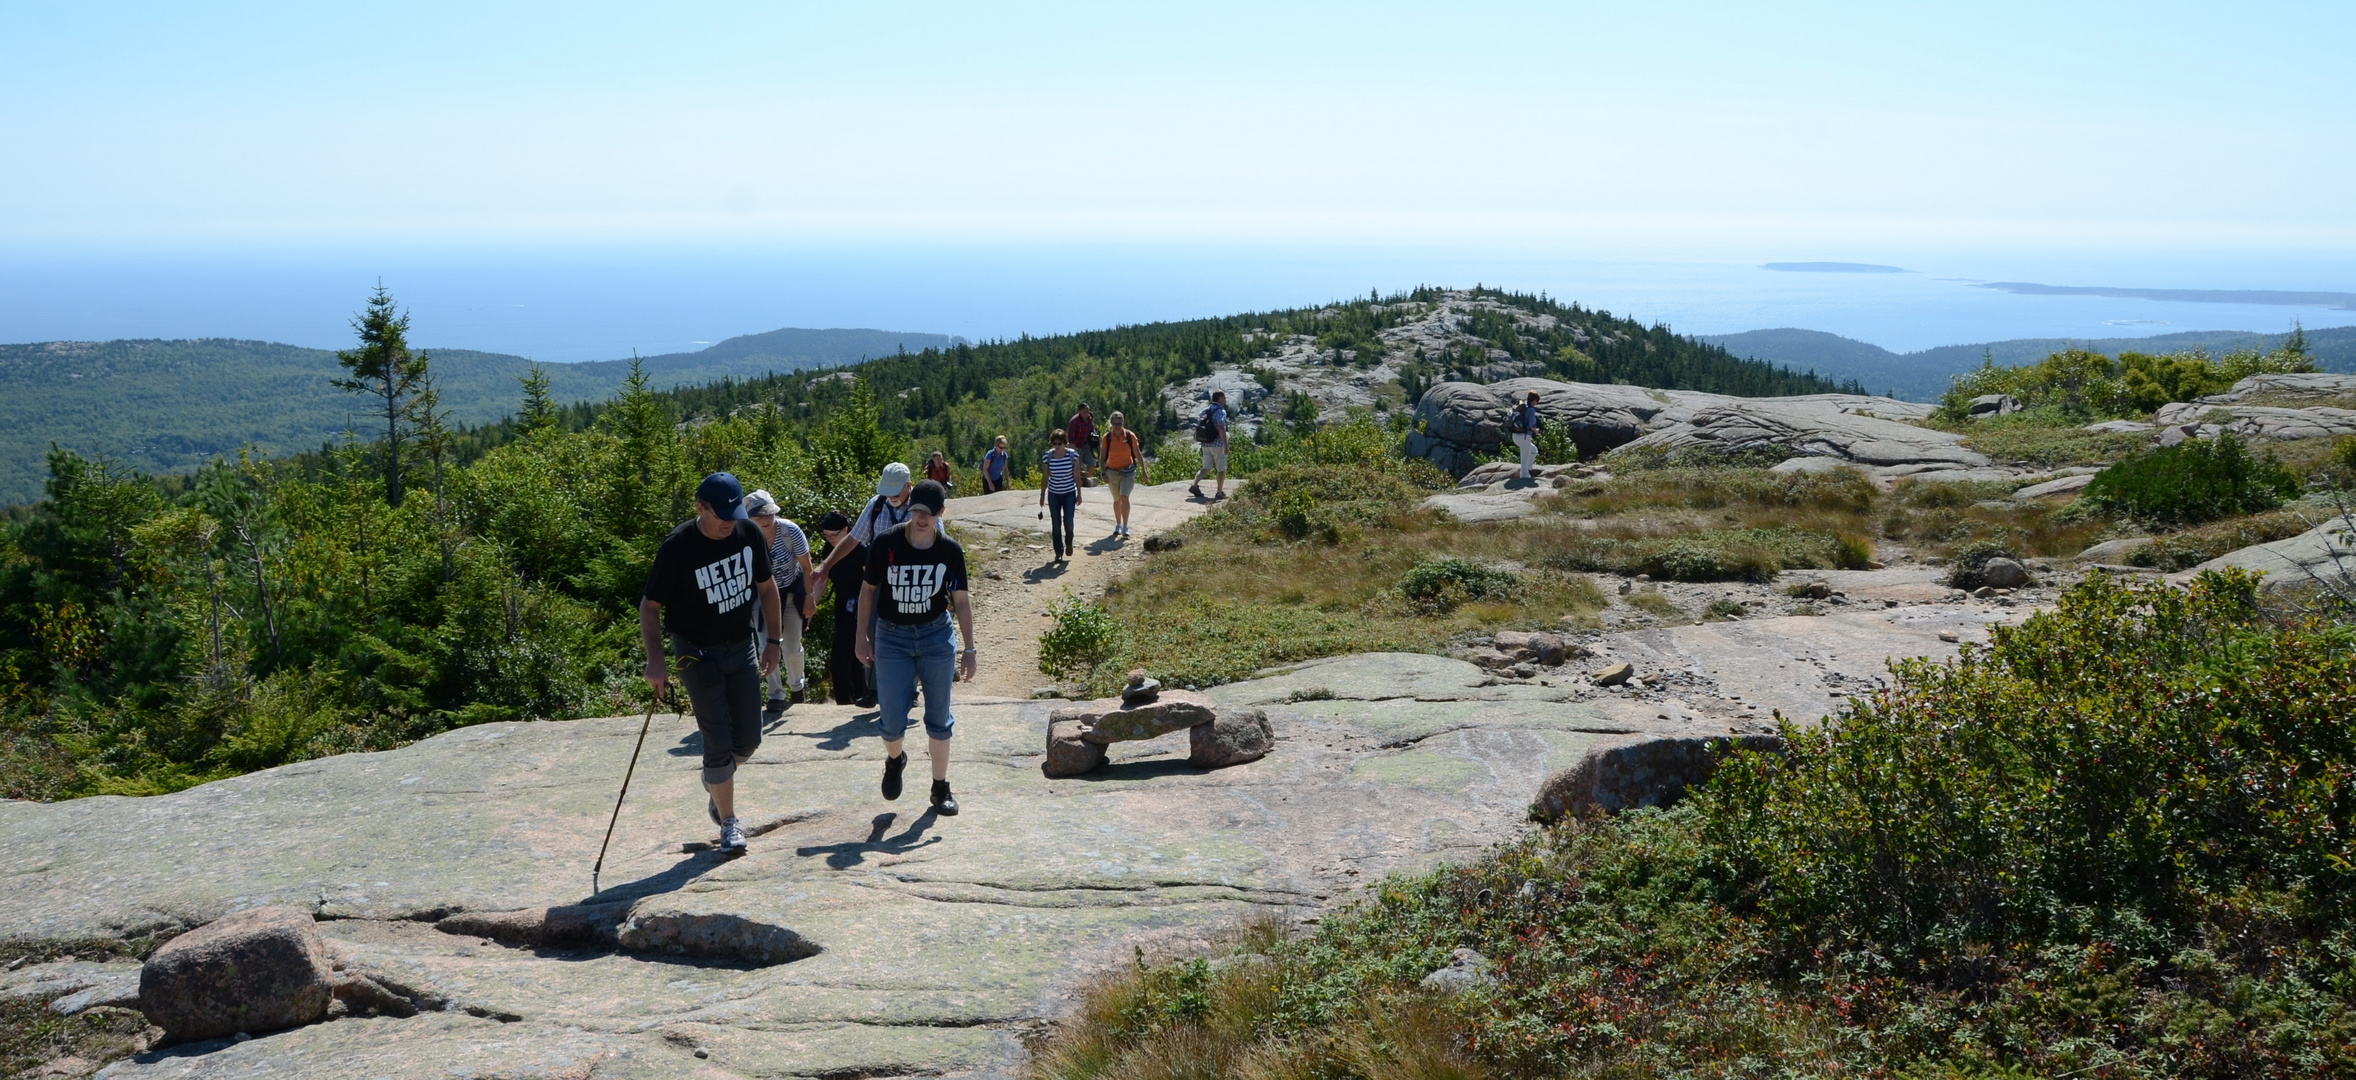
(723, 494)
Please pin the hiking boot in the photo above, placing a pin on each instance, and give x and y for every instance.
(777, 704)
(1195, 490)
(893, 767)
(796, 699)
(942, 800)
(731, 837)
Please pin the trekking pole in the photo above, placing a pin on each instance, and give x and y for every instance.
(643, 726)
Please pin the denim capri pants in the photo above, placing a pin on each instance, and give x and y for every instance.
(909, 656)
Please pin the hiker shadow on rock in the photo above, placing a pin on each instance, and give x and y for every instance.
(839, 736)
(1142, 769)
(1049, 572)
(1107, 545)
(670, 879)
(846, 855)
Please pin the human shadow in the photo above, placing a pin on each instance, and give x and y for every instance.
(839, 736)
(696, 864)
(1107, 544)
(689, 745)
(848, 854)
(1049, 572)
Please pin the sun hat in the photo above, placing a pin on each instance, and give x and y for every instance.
(760, 502)
(893, 481)
(723, 494)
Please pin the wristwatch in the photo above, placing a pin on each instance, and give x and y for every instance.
(776, 641)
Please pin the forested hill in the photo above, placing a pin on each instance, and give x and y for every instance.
(957, 398)
(167, 406)
(1923, 376)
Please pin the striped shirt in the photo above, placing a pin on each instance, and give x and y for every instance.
(785, 553)
(1059, 469)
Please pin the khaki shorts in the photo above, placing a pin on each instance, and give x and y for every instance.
(1120, 480)
(1215, 457)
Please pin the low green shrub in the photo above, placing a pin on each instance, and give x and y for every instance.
(1442, 584)
(2192, 482)
(2192, 547)
(1082, 636)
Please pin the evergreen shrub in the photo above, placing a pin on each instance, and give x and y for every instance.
(2192, 482)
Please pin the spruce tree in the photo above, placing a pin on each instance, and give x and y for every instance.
(386, 371)
(539, 411)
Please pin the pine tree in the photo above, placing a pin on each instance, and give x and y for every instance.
(383, 369)
(539, 411)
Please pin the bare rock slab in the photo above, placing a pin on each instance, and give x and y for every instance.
(259, 970)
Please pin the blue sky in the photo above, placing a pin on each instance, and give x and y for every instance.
(1733, 129)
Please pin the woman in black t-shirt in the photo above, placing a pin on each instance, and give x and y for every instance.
(915, 580)
(850, 678)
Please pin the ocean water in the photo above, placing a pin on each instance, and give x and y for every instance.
(597, 303)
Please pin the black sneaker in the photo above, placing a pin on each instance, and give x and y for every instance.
(778, 704)
(893, 767)
(1195, 490)
(796, 699)
(866, 701)
(942, 800)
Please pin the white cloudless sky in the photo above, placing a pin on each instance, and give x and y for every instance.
(1715, 126)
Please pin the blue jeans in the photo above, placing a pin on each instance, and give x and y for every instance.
(1060, 509)
(906, 656)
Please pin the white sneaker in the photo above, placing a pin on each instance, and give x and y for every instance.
(731, 836)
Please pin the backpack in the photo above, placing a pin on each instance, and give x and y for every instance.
(1206, 430)
(1525, 421)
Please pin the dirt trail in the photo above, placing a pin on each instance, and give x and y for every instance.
(1011, 596)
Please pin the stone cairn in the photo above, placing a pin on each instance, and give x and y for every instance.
(1077, 735)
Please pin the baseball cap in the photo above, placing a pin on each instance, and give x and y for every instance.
(930, 496)
(723, 494)
(833, 520)
(895, 477)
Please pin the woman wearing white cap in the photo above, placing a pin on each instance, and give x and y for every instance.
(789, 557)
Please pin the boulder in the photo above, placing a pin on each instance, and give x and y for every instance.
(1537, 647)
(1164, 541)
(1615, 674)
(1627, 774)
(1236, 737)
(1987, 405)
(1466, 971)
(1108, 720)
(2001, 573)
(259, 970)
(1801, 428)
(1142, 688)
(1067, 753)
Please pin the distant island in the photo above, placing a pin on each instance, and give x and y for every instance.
(2343, 301)
(1833, 268)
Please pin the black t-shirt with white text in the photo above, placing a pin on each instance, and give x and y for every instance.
(706, 586)
(913, 585)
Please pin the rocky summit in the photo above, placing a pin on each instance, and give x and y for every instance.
(858, 937)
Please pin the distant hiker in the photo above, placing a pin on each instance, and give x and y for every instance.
(887, 509)
(1082, 432)
(915, 580)
(1122, 456)
(708, 576)
(843, 667)
(1523, 426)
(1059, 468)
(937, 471)
(994, 466)
(1210, 432)
(789, 557)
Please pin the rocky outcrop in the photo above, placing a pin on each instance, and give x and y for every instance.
(256, 971)
(1990, 405)
(2252, 423)
(2326, 552)
(1638, 772)
(1456, 421)
(2294, 390)
(1798, 427)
